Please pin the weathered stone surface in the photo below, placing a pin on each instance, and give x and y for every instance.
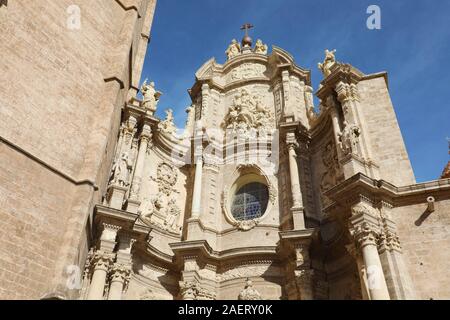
(264, 196)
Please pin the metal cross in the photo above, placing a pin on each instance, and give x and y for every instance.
(246, 27)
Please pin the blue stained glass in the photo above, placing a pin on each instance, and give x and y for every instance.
(250, 201)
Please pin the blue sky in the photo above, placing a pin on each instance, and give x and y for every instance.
(413, 46)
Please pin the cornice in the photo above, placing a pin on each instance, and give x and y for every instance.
(381, 190)
(202, 250)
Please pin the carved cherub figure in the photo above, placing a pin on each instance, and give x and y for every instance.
(260, 47)
(233, 49)
(151, 96)
(328, 62)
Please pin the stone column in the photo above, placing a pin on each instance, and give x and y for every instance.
(303, 272)
(304, 280)
(119, 276)
(297, 199)
(287, 111)
(198, 159)
(102, 262)
(361, 270)
(205, 100)
(397, 275)
(366, 237)
(134, 201)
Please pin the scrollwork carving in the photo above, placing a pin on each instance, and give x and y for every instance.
(166, 177)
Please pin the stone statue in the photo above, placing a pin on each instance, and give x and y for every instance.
(249, 293)
(121, 171)
(173, 211)
(260, 47)
(168, 126)
(151, 96)
(328, 62)
(151, 206)
(349, 138)
(233, 49)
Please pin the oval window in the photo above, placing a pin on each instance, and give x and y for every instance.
(250, 201)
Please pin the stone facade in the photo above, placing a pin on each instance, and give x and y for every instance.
(63, 87)
(263, 195)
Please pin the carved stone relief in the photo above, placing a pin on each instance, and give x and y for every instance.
(332, 175)
(162, 210)
(247, 71)
(247, 114)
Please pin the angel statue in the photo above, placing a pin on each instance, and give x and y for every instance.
(151, 96)
(233, 49)
(173, 213)
(168, 125)
(328, 62)
(260, 47)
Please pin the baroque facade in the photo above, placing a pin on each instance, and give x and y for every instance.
(263, 195)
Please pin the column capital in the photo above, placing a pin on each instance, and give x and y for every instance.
(390, 241)
(102, 260)
(109, 232)
(365, 234)
(146, 133)
(291, 141)
(301, 254)
(346, 92)
(303, 276)
(120, 273)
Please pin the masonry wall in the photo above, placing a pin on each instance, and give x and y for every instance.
(60, 103)
(388, 148)
(426, 248)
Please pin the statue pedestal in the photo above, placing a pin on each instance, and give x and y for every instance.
(298, 218)
(116, 195)
(133, 205)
